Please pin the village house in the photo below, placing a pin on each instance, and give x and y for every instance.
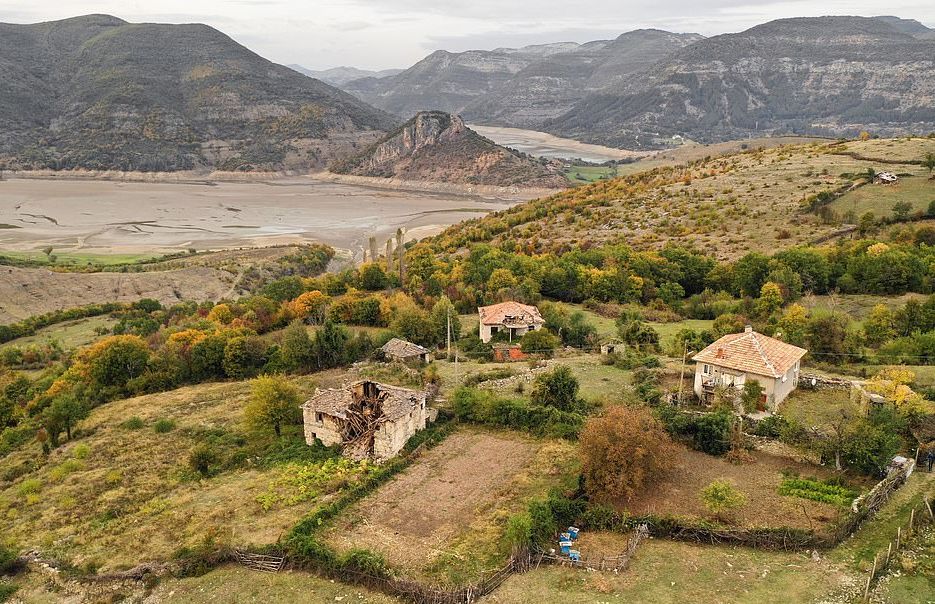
(737, 358)
(512, 318)
(407, 352)
(367, 418)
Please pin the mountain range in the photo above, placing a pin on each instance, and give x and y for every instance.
(827, 76)
(338, 76)
(96, 92)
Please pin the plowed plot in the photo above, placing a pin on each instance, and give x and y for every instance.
(679, 494)
(473, 478)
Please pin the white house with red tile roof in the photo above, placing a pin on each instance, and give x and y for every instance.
(513, 318)
(737, 358)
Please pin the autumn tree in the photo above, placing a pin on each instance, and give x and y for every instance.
(623, 452)
(274, 402)
(63, 413)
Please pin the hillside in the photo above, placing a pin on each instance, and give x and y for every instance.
(436, 146)
(96, 92)
(828, 76)
(517, 87)
(759, 200)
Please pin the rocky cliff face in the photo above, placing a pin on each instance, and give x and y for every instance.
(436, 146)
(97, 92)
(828, 75)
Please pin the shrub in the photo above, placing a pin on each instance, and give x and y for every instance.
(539, 342)
(30, 486)
(133, 423)
(501, 373)
(751, 396)
(7, 559)
(557, 388)
(623, 452)
(720, 496)
(81, 451)
(163, 426)
(485, 407)
(202, 459)
(709, 433)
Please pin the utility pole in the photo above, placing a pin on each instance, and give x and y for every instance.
(682, 374)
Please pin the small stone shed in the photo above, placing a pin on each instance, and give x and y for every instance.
(402, 350)
(737, 358)
(511, 317)
(367, 418)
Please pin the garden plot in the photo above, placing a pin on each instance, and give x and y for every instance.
(679, 493)
(443, 517)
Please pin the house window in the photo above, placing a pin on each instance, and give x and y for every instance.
(784, 379)
(320, 417)
(796, 366)
(706, 370)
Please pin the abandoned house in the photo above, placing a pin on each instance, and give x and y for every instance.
(737, 358)
(886, 178)
(511, 318)
(407, 352)
(366, 418)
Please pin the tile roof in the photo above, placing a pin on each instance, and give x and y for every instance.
(751, 352)
(401, 348)
(396, 402)
(509, 313)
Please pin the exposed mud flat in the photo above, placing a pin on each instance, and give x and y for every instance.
(543, 144)
(116, 216)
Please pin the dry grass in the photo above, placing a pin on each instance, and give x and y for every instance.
(443, 517)
(133, 497)
(679, 494)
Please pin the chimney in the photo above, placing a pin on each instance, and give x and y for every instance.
(748, 329)
(720, 353)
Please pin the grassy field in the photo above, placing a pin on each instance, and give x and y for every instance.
(917, 190)
(119, 494)
(856, 306)
(69, 334)
(817, 407)
(69, 258)
(587, 174)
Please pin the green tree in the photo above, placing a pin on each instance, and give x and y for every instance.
(751, 395)
(720, 496)
(770, 299)
(415, 325)
(274, 402)
(879, 326)
(633, 331)
(373, 277)
(557, 388)
(929, 161)
(867, 224)
(244, 356)
(539, 341)
(331, 343)
(298, 350)
(65, 411)
(901, 210)
(116, 360)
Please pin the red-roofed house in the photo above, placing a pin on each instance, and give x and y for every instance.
(739, 357)
(512, 318)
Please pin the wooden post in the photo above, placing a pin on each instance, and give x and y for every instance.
(912, 517)
(928, 507)
(873, 571)
(899, 534)
(889, 552)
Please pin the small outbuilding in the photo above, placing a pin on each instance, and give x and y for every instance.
(366, 418)
(886, 178)
(401, 350)
(737, 358)
(613, 346)
(512, 318)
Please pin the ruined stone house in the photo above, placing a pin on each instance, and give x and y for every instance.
(407, 352)
(367, 418)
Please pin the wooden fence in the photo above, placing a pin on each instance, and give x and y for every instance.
(919, 516)
(261, 562)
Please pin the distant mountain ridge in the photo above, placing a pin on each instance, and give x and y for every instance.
(516, 86)
(96, 92)
(437, 146)
(338, 76)
(827, 75)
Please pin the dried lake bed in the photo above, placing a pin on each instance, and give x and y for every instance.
(121, 217)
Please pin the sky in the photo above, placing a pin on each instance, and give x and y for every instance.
(381, 34)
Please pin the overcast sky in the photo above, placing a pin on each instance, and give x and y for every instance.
(379, 34)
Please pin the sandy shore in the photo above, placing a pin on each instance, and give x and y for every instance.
(116, 213)
(547, 145)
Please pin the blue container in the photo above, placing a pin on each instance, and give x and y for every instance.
(565, 537)
(575, 555)
(573, 531)
(565, 546)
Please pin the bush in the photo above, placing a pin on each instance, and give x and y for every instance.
(709, 433)
(501, 373)
(557, 388)
(623, 452)
(30, 486)
(539, 342)
(7, 559)
(720, 496)
(202, 460)
(133, 423)
(485, 407)
(163, 426)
